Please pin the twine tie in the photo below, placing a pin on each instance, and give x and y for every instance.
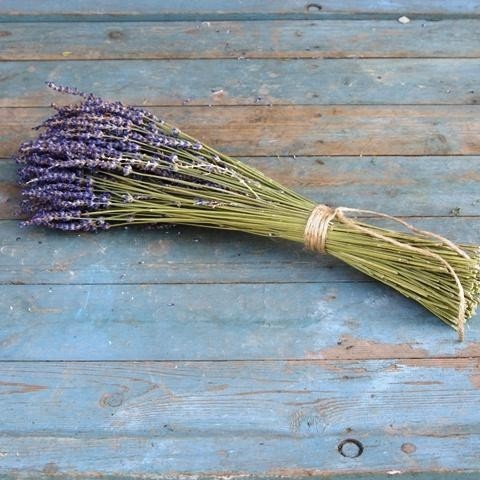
(320, 221)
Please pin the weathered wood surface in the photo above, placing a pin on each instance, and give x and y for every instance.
(188, 353)
(255, 39)
(302, 130)
(233, 418)
(178, 255)
(152, 10)
(185, 321)
(423, 185)
(250, 81)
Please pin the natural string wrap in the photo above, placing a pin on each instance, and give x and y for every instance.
(316, 233)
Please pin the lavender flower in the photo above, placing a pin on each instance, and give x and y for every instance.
(60, 170)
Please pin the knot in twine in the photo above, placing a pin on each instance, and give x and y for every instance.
(316, 234)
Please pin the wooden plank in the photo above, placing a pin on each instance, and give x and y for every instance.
(255, 39)
(151, 10)
(178, 255)
(253, 320)
(302, 130)
(128, 458)
(407, 186)
(239, 419)
(249, 82)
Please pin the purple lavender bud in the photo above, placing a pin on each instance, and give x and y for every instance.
(68, 90)
(82, 143)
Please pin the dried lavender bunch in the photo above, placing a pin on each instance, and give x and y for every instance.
(99, 164)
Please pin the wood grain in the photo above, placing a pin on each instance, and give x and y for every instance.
(302, 130)
(152, 10)
(196, 321)
(247, 39)
(248, 82)
(287, 418)
(187, 354)
(406, 186)
(178, 255)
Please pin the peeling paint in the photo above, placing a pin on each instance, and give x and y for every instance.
(349, 348)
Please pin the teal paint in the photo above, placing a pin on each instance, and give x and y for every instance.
(220, 39)
(190, 10)
(190, 321)
(250, 82)
(161, 355)
(261, 419)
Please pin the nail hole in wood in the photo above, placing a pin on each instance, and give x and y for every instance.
(408, 448)
(115, 35)
(313, 7)
(350, 448)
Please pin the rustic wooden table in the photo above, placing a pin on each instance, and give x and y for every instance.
(192, 354)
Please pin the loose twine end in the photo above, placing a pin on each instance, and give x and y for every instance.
(316, 233)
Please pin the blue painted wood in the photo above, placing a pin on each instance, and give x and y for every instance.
(249, 82)
(178, 255)
(214, 40)
(259, 419)
(152, 10)
(387, 183)
(220, 321)
(302, 130)
(321, 353)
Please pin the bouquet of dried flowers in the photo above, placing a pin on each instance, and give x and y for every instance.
(99, 164)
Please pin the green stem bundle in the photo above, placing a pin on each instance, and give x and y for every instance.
(248, 201)
(124, 166)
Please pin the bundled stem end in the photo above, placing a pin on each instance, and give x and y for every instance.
(443, 277)
(99, 164)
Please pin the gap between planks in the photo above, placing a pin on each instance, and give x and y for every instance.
(441, 359)
(193, 18)
(246, 58)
